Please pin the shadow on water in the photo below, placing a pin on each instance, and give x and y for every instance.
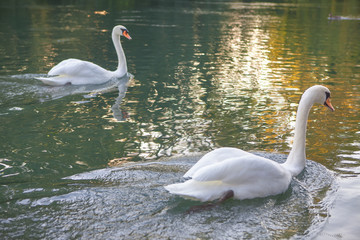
(130, 202)
(18, 90)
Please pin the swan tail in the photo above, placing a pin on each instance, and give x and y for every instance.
(203, 191)
(54, 81)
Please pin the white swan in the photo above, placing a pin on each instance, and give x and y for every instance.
(78, 72)
(231, 172)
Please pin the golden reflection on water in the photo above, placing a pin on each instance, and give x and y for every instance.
(252, 82)
(242, 63)
(270, 67)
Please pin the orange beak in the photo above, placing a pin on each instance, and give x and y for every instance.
(328, 104)
(126, 34)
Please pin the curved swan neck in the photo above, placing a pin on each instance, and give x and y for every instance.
(295, 162)
(122, 66)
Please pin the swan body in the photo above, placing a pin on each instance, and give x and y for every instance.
(78, 72)
(247, 175)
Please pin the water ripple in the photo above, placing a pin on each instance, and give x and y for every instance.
(130, 202)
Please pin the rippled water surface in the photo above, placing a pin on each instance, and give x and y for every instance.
(91, 161)
(130, 202)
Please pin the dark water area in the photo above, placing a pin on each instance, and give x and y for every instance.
(91, 161)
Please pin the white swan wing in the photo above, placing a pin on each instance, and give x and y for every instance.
(248, 176)
(215, 156)
(76, 67)
(76, 72)
(241, 170)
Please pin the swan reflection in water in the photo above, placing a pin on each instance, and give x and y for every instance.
(20, 90)
(114, 84)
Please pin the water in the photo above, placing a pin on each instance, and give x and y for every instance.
(129, 202)
(91, 162)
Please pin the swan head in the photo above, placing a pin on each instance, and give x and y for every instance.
(319, 94)
(120, 30)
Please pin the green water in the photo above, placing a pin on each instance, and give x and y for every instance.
(90, 161)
